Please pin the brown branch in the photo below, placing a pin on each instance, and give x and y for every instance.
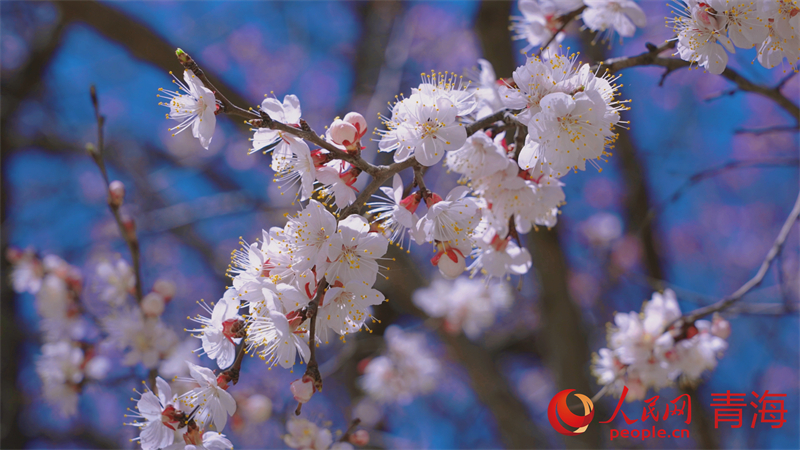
(652, 58)
(350, 430)
(128, 233)
(725, 303)
(712, 172)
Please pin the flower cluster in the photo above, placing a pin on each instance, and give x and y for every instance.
(541, 19)
(647, 351)
(68, 358)
(165, 422)
(425, 124)
(706, 29)
(464, 304)
(406, 370)
(295, 163)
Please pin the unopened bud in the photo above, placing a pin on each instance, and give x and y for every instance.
(92, 150)
(320, 158)
(432, 199)
(303, 389)
(183, 57)
(258, 408)
(116, 193)
(357, 120)
(411, 202)
(343, 133)
(153, 304)
(720, 327)
(223, 379)
(450, 261)
(350, 175)
(360, 437)
(166, 288)
(130, 227)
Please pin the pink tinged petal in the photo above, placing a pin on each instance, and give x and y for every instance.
(430, 152)
(273, 108)
(164, 391)
(155, 436)
(291, 108)
(558, 104)
(635, 13)
(302, 348)
(300, 148)
(227, 402)
(218, 414)
(397, 188)
(373, 245)
(717, 60)
(453, 136)
(202, 375)
(264, 137)
(149, 406)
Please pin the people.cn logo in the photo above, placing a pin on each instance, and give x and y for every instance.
(558, 409)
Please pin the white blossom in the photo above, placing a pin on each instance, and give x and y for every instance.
(272, 336)
(282, 145)
(218, 332)
(145, 339)
(396, 215)
(305, 435)
(609, 16)
(480, 156)
(193, 105)
(465, 304)
(210, 396)
(406, 370)
(156, 416)
(646, 351)
(116, 281)
(307, 234)
(353, 253)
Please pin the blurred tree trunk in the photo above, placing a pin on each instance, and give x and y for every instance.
(562, 338)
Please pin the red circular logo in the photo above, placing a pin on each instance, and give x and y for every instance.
(558, 409)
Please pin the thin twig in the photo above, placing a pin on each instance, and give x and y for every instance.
(565, 20)
(652, 58)
(712, 172)
(128, 233)
(777, 246)
(353, 425)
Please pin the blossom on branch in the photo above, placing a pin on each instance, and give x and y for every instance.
(193, 105)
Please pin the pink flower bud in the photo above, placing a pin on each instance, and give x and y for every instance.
(350, 175)
(432, 199)
(450, 261)
(166, 288)
(223, 379)
(320, 157)
(411, 202)
(358, 121)
(360, 438)
(343, 133)
(116, 193)
(153, 304)
(720, 327)
(303, 389)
